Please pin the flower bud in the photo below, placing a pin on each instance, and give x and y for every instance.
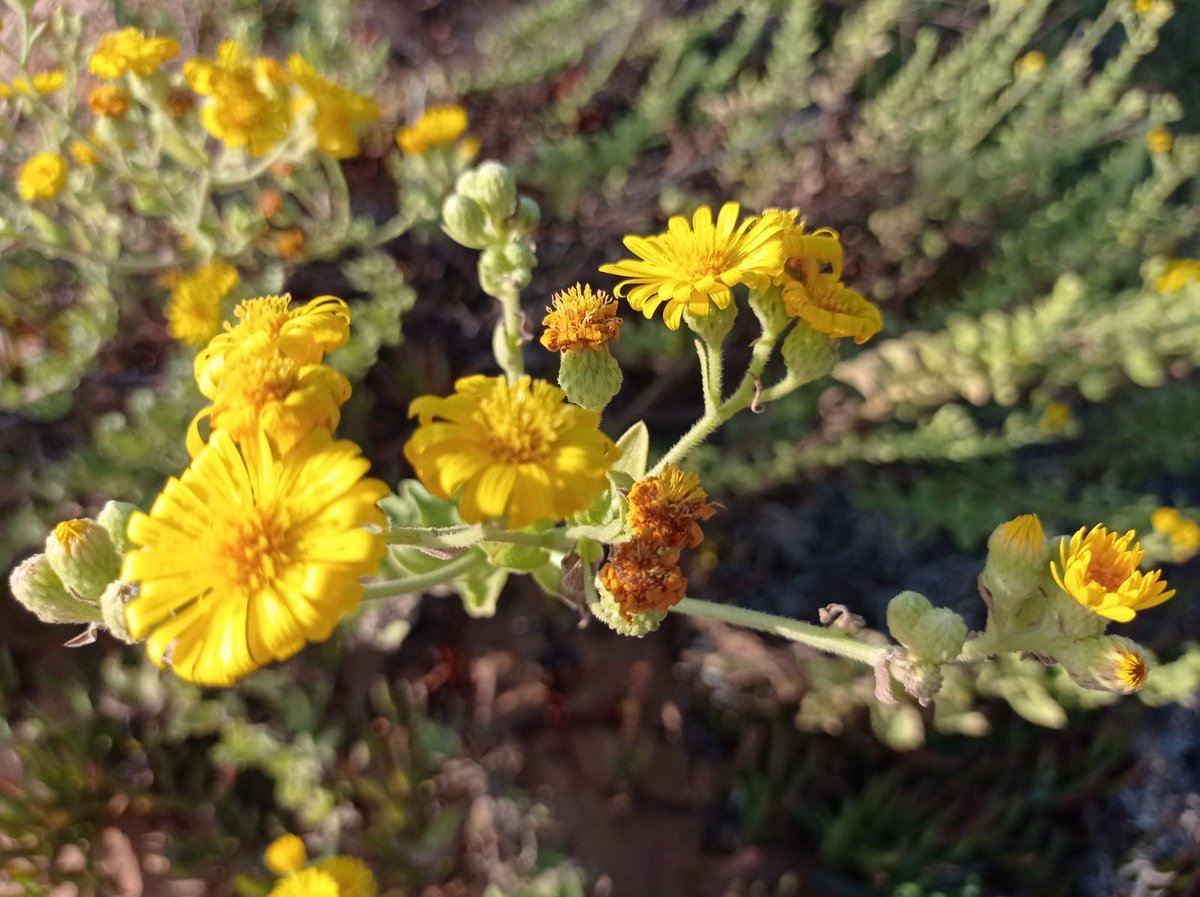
(84, 557)
(491, 185)
(464, 222)
(1017, 563)
(35, 584)
(589, 377)
(114, 517)
(635, 623)
(112, 609)
(903, 612)
(714, 326)
(938, 636)
(519, 256)
(808, 354)
(1105, 663)
(529, 214)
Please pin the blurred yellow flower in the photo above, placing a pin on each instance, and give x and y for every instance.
(251, 553)
(83, 153)
(108, 101)
(1030, 64)
(1183, 533)
(339, 111)
(285, 855)
(509, 451)
(1159, 140)
(130, 50)
(248, 103)
(306, 883)
(1056, 417)
(1099, 569)
(695, 265)
(665, 508)
(580, 319)
(1177, 274)
(42, 177)
(44, 83)
(437, 126)
(194, 313)
(353, 877)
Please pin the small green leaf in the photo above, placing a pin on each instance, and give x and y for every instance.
(635, 451)
(480, 591)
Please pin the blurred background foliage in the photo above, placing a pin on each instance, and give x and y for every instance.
(998, 175)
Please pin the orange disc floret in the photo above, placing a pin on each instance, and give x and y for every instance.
(1100, 571)
(642, 577)
(580, 319)
(665, 508)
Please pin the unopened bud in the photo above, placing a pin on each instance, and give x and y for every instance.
(114, 517)
(714, 326)
(35, 584)
(84, 557)
(1017, 564)
(903, 612)
(528, 215)
(491, 185)
(1105, 663)
(112, 609)
(589, 377)
(808, 354)
(464, 221)
(938, 636)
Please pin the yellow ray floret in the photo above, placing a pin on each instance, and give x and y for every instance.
(693, 266)
(252, 553)
(509, 451)
(437, 126)
(1099, 569)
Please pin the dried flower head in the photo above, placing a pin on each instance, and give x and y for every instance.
(665, 508)
(580, 319)
(642, 576)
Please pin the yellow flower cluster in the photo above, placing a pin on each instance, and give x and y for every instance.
(1183, 533)
(44, 83)
(42, 177)
(194, 313)
(337, 112)
(260, 545)
(510, 451)
(337, 876)
(1099, 569)
(695, 265)
(438, 126)
(131, 51)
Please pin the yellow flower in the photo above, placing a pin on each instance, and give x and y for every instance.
(1100, 571)
(84, 153)
(1183, 533)
(509, 450)
(643, 577)
(108, 101)
(248, 101)
(306, 883)
(664, 508)
(1159, 140)
(338, 110)
(1177, 274)
(129, 50)
(263, 388)
(302, 334)
(251, 553)
(194, 315)
(691, 265)
(437, 126)
(1030, 64)
(285, 855)
(42, 177)
(1056, 417)
(580, 319)
(353, 877)
(44, 83)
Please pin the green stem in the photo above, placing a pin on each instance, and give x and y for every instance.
(452, 538)
(420, 582)
(508, 337)
(819, 637)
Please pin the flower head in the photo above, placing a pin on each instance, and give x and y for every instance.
(248, 101)
(1030, 64)
(129, 50)
(509, 450)
(1184, 534)
(695, 265)
(580, 319)
(290, 244)
(666, 507)
(108, 101)
(42, 177)
(84, 153)
(353, 877)
(437, 126)
(285, 855)
(310, 882)
(194, 314)
(1159, 140)
(1106, 663)
(338, 111)
(1100, 571)
(643, 577)
(251, 553)
(1177, 274)
(43, 83)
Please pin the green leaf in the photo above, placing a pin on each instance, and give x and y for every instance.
(521, 558)
(412, 505)
(635, 451)
(480, 591)
(549, 577)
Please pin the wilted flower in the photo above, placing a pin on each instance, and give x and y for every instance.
(665, 508)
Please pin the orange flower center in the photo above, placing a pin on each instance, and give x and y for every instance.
(254, 550)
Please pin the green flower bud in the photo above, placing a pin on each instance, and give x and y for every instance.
(520, 256)
(606, 610)
(808, 354)
(114, 517)
(903, 612)
(938, 636)
(464, 222)
(112, 609)
(529, 214)
(589, 377)
(714, 326)
(1105, 663)
(84, 557)
(495, 272)
(1017, 564)
(491, 185)
(35, 584)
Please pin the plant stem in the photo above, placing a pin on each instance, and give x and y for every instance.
(819, 637)
(452, 538)
(508, 337)
(419, 582)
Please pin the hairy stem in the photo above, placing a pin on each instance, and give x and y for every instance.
(419, 582)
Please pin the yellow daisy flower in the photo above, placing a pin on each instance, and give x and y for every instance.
(515, 451)
(580, 319)
(306, 883)
(303, 334)
(129, 50)
(194, 313)
(694, 264)
(339, 111)
(1100, 571)
(437, 126)
(42, 177)
(248, 103)
(353, 877)
(251, 553)
(286, 855)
